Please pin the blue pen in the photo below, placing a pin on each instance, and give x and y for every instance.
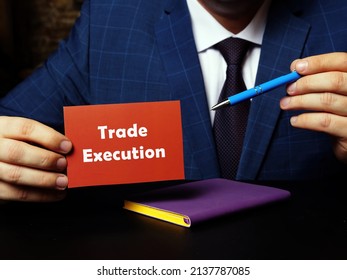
(253, 92)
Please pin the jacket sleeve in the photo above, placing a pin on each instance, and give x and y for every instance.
(62, 80)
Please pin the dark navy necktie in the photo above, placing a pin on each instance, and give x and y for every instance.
(230, 122)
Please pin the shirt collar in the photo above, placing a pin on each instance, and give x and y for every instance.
(204, 23)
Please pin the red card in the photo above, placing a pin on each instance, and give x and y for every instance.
(124, 143)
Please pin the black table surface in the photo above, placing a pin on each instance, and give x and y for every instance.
(91, 224)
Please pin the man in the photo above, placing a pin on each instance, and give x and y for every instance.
(127, 51)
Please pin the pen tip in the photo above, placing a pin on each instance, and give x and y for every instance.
(220, 105)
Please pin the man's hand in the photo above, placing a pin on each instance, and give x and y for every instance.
(32, 161)
(322, 90)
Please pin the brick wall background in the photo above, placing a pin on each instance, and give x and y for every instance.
(35, 28)
(40, 25)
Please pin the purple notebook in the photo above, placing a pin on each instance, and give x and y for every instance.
(199, 201)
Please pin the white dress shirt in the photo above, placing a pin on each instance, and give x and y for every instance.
(208, 32)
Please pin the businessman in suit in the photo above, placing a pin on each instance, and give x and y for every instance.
(137, 50)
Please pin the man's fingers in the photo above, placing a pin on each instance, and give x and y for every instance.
(23, 154)
(31, 161)
(323, 82)
(321, 102)
(32, 131)
(321, 63)
(19, 175)
(327, 123)
(324, 122)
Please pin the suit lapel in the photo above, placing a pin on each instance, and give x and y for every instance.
(178, 51)
(283, 42)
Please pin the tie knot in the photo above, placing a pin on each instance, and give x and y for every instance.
(233, 50)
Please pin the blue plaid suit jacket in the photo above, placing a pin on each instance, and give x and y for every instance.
(143, 50)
